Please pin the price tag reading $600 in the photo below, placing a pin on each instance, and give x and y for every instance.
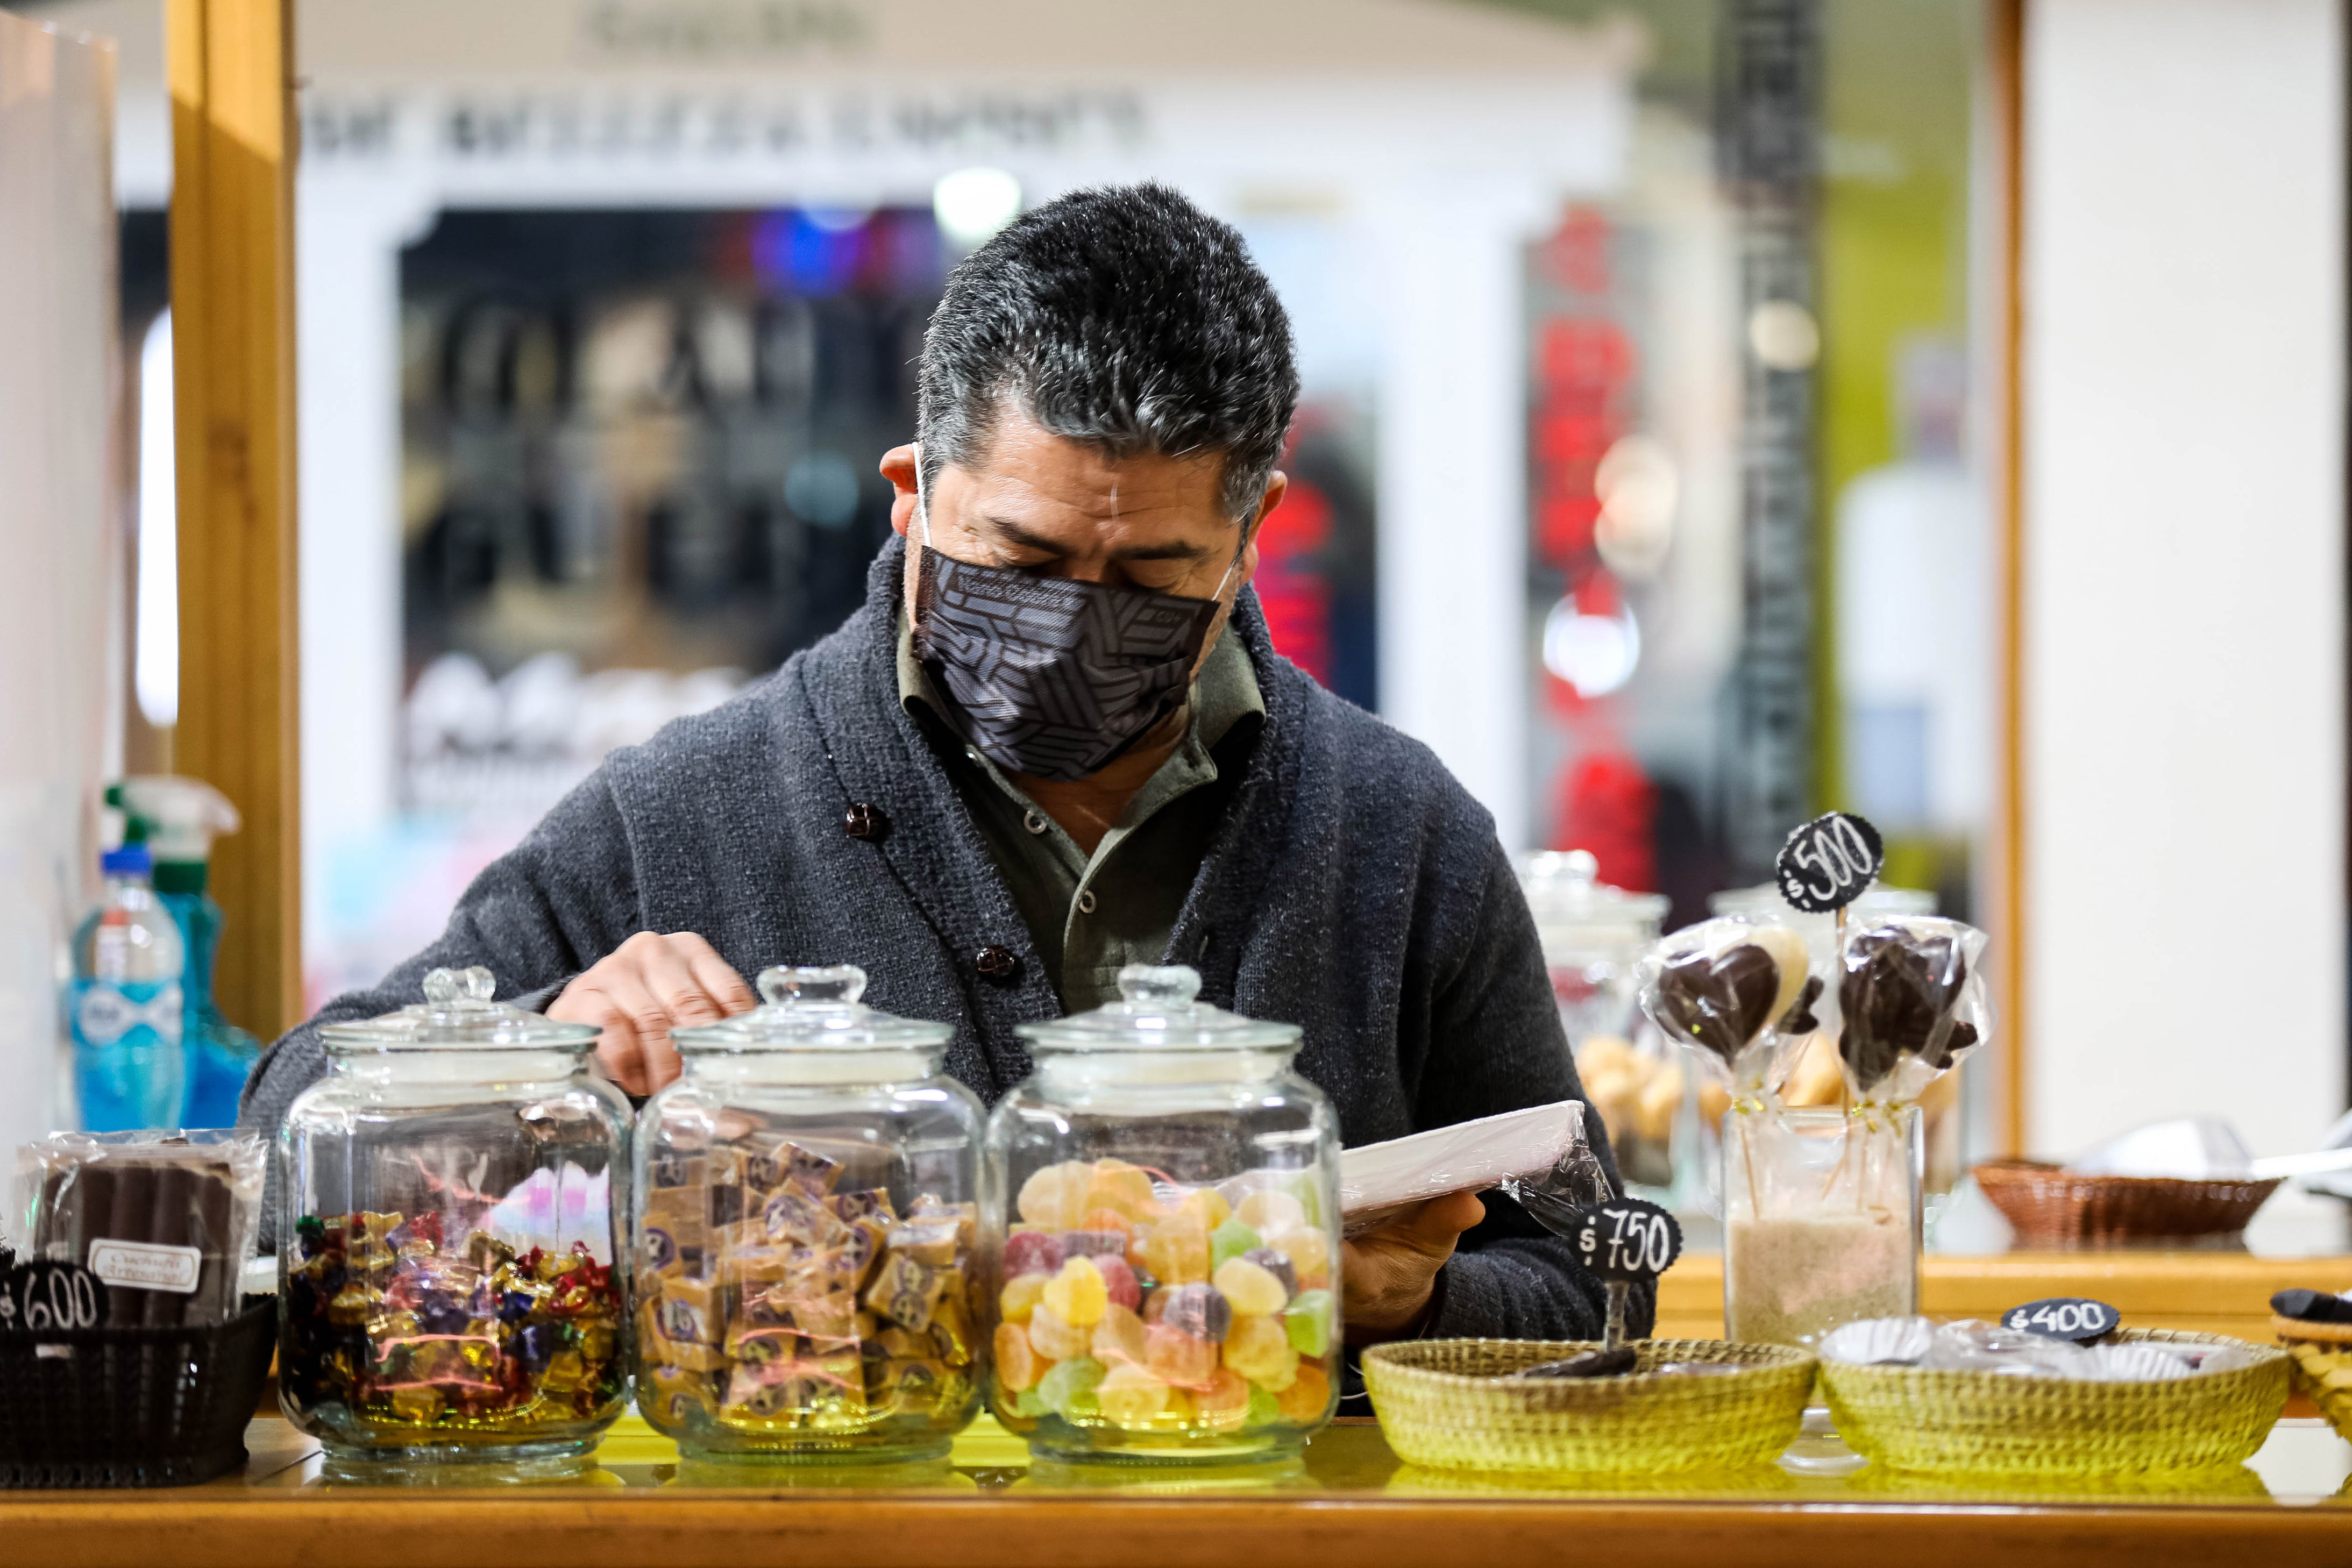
(2075, 1318)
(42, 1296)
(1627, 1239)
(1829, 863)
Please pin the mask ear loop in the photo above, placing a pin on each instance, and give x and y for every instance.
(923, 498)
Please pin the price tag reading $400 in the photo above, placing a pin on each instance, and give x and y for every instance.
(2075, 1318)
(1628, 1241)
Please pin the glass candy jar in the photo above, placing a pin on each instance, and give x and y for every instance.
(1821, 1219)
(1161, 1208)
(805, 1232)
(1593, 937)
(447, 1235)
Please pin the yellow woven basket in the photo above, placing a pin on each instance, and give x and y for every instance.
(2321, 1355)
(1982, 1422)
(1442, 1403)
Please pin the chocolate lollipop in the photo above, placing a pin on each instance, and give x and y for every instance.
(1902, 987)
(1723, 995)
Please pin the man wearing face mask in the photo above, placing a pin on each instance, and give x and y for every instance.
(1056, 741)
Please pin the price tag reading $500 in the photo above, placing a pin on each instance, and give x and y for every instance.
(1628, 1241)
(1829, 863)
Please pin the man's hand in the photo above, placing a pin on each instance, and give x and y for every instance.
(1386, 1275)
(647, 987)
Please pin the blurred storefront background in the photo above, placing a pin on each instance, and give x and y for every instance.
(1647, 468)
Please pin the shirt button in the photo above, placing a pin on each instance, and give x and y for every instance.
(1033, 822)
(998, 964)
(1087, 901)
(865, 820)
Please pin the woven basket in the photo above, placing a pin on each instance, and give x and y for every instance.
(1982, 1422)
(1444, 1403)
(2049, 1207)
(2320, 1357)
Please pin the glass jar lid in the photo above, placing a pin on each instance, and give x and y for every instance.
(457, 1014)
(813, 1009)
(1573, 904)
(1156, 1010)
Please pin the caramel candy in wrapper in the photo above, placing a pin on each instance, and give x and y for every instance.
(662, 1350)
(832, 1316)
(933, 1241)
(793, 1215)
(672, 1169)
(657, 1251)
(950, 1330)
(761, 1346)
(812, 1170)
(678, 1395)
(862, 1204)
(768, 1307)
(913, 1387)
(906, 1291)
(903, 1345)
(687, 1311)
(965, 1214)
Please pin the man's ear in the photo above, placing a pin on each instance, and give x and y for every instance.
(898, 466)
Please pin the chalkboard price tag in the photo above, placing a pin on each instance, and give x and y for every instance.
(1829, 863)
(2075, 1318)
(1627, 1239)
(47, 1297)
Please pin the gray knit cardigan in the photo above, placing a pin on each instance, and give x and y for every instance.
(1354, 889)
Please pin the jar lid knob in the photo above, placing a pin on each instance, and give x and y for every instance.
(1582, 864)
(1169, 985)
(445, 986)
(790, 984)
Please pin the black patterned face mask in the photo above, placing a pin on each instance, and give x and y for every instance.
(1045, 676)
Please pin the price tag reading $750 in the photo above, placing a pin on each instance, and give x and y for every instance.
(1627, 1239)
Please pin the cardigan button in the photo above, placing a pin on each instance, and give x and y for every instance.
(998, 964)
(865, 821)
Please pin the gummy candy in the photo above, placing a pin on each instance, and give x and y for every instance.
(1132, 1396)
(1231, 1239)
(1269, 1208)
(1109, 1219)
(1069, 1389)
(1095, 1244)
(1174, 1357)
(1032, 1252)
(1263, 1406)
(1022, 1293)
(1122, 1188)
(1119, 1280)
(1277, 1264)
(1056, 1337)
(1077, 1294)
(1056, 1196)
(1155, 1302)
(1307, 1396)
(1223, 1402)
(1016, 1363)
(1309, 1252)
(1176, 1252)
(1118, 1338)
(1309, 1323)
(1260, 1351)
(1206, 1206)
(1201, 1311)
(1251, 1289)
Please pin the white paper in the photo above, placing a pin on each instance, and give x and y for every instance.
(1467, 1156)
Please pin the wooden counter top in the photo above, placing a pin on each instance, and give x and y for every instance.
(1349, 1501)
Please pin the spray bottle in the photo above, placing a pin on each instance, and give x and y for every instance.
(178, 818)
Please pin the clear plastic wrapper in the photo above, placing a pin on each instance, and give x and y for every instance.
(1737, 990)
(1539, 1149)
(168, 1220)
(1912, 999)
(1971, 1345)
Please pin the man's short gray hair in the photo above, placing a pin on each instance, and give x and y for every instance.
(1125, 318)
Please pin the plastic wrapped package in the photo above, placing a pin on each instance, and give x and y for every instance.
(1737, 990)
(1376, 1179)
(167, 1220)
(1968, 1344)
(1912, 1001)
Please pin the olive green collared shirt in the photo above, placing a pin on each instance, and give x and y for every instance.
(1091, 916)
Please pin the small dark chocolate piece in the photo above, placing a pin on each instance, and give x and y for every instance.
(1586, 1364)
(1720, 1000)
(1799, 1019)
(2312, 1307)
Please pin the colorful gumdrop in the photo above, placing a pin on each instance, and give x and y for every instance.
(1309, 1323)
(1132, 1396)
(1206, 1206)
(1069, 1389)
(1056, 1337)
(1032, 1252)
(1201, 1311)
(1174, 1357)
(1077, 1294)
(1251, 1291)
(1119, 1283)
(1056, 1196)
(1118, 1338)
(1309, 1251)
(1308, 1396)
(1231, 1239)
(1020, 1297)
(1123, 1188)
(1222, 1403)
(1016, 1363)
(1260, 1351)
(1269, 1209)
(1277, 1264)
(1175, 1252)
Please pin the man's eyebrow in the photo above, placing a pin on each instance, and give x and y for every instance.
(1013, 534)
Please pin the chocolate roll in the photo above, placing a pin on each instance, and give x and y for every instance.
(132, 1211)
(169, 1224)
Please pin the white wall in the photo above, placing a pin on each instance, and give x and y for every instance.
(2184, 517)
(58, 525)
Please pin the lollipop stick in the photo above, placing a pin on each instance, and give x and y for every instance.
(1613, 1335)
